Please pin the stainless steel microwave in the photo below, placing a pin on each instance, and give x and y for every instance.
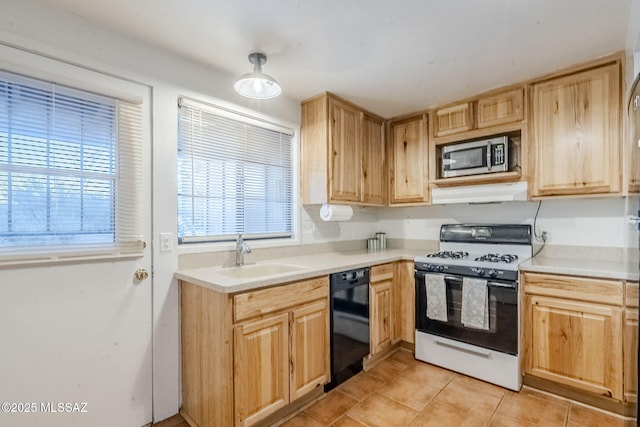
(476, 157)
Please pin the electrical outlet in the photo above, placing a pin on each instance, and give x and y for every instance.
(165, 242)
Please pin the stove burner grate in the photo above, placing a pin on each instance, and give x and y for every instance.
(506, 258)
(448, 255)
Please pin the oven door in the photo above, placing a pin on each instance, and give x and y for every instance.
(469, 160)
(502, 334)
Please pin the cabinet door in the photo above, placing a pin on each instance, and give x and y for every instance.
(261, 368)
(310, 362)
(406, 299)
(575, 343)
(631, 356)
(373, 176)
(576, 133)
(499, 109)
(408, 168)
(454, 119)
(344, 152)
(381, 321)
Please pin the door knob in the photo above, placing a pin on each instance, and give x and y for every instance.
(141, 274)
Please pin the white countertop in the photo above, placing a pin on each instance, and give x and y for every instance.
(221, 279)
(303, 267)
(618, 270)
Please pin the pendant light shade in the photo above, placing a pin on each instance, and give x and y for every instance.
(257, 85)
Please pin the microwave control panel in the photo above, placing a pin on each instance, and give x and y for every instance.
(498, 154)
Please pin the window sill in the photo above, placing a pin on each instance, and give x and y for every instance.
(58, 259)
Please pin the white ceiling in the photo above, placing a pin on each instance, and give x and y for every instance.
(391, 57)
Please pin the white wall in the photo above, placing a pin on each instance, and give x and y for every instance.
(633, 38)
(362, 225)
(570, 222)
(36, 27)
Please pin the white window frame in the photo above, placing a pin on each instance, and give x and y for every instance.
(30, 64)
(219, 107)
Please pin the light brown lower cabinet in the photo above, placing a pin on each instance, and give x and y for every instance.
(309, 348)
(631, 355)
(381, 307)
(384, 307)
(406, 302)
(577, 344)
(244, 356)
(631, 291)
(261, 374)
(391, 301)
(571, 336)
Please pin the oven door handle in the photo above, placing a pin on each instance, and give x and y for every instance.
(489, 282)
(459, 348)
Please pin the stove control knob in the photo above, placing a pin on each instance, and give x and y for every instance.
(440, 268)
(480, 272)
(492, 273)
(430, 267)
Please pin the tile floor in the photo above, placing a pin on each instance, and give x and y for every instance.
(404, 392)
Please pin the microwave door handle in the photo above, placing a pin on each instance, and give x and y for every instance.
(488, 156)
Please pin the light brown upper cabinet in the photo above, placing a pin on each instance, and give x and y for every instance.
(342, 150)
(633, 149)
(345, 159)
(373, 170)
(575, 133)
(408, 161)
(499, 109)
(454, 119)
(468, 119)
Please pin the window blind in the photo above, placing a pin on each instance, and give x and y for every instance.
(235, 176)
(70, 167)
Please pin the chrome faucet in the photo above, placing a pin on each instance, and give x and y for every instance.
(241, 249)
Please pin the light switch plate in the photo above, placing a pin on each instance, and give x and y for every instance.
(165, 242)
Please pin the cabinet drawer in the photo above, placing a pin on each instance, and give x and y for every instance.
(264, 301)
(381, 272)
(575, 288)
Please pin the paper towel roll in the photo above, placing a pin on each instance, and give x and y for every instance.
(335, 212)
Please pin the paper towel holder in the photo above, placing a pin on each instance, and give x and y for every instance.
(329, 212)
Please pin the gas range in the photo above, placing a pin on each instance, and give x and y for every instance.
(467, 301)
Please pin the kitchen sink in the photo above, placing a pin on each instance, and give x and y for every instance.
(258, 270)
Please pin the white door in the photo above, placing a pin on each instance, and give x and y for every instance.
(75, 348)
(76, 334)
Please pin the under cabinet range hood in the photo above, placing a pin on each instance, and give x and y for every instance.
(488, 193)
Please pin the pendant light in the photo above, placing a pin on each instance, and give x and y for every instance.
(257, 85)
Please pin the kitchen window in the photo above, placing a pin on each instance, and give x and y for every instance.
(69, 163)
(235, 175)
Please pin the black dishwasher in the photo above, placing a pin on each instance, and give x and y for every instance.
(349, 323)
